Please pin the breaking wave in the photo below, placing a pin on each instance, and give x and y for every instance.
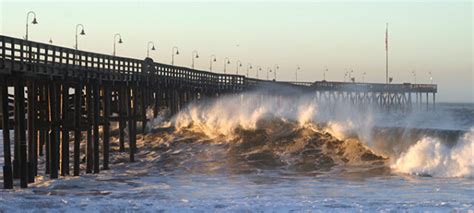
(430, 157)
(251, 132)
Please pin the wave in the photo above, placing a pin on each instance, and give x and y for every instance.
(430, 157)
(249, 132)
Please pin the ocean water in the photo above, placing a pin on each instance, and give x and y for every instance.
(242, 153)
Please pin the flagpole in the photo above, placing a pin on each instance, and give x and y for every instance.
(386, 54)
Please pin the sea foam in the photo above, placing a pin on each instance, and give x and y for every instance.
(430, 157)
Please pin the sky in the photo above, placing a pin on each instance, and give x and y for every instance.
(424, 36)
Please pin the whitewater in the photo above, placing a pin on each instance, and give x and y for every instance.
(278, 153)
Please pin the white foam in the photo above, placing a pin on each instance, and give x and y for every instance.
(431, 157)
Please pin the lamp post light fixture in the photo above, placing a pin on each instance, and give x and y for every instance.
(27, 20)
(296, 72)
(249, 66)
(239, 64)
(174, 53)
(194, 55)
(82, 33)
(50, 40)
(259, 69)
(324, 73)
(226, 61)
(115, 40)
(148, 48)
(414, 75)
(269, 70)
(212, 60)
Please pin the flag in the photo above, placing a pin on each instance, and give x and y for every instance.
(386, 38)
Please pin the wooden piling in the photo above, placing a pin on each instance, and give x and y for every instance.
(65, 131)
(54, 134)
(143, 102)
(77, 127)
(122, 112)
(47, 131)
(131, 120)
(7, 168)
(89, 144)
(21, 134)
(95, 122)
(106, 97)
(31, 130)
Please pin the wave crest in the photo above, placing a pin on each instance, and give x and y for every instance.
(431, 157)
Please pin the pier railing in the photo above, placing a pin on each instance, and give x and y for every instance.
(34, 58)
(372, 87)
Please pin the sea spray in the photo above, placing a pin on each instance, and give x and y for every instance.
(431, 157)
(224, 120)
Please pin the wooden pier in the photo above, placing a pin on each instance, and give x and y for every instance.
(61, 92)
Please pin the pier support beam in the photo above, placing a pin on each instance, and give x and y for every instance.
(132, 103)
(122, 112)
(54, 134)
(96, 127)
(20, 126)
(7, 168)
(77, 127)
(90, 115)
(32, 139)
(65, 131)
(106, 97)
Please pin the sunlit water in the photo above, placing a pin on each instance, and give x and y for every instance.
(208, 165)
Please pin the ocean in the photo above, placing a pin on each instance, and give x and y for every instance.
(243, 153)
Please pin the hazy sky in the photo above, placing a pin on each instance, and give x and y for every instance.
(342, 35)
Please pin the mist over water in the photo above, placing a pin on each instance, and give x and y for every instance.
(435, 143)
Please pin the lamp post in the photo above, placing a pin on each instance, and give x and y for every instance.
(259, 69)
(296, 72)
(212, 60)
(50, 40)
(173, 53)
(431, 77)
(115, 40)
(33, 22)
(275, 67)
(345, 75)
(414, 75)
(148, 48)
(269, 70)
(194, 55)
(324, 73)
(249, 66)
(363, 77)
(226, 61)
(239, 64)
(82, 33)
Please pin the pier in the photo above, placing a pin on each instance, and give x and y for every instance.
(61, 92)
